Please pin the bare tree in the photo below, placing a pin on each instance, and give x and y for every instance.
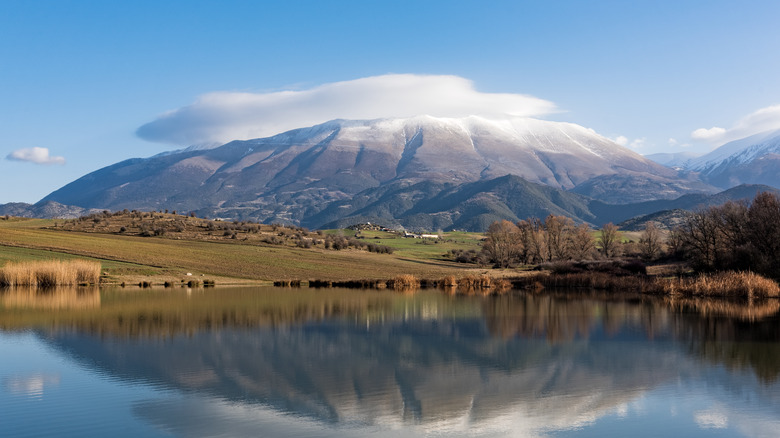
(558, 237)
(503, 244)
(763, 223)
(650, 242)
(534, 246)
(609, 240)
(700, 232)
(582, 243)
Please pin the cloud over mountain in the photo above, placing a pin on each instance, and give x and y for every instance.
(762, 120)
(225, 116)
(35, 155)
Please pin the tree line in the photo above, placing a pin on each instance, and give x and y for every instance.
(555, 238)
(737, 235)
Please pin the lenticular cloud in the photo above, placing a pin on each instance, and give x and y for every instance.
(225, 116)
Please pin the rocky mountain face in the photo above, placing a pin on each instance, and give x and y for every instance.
(751, 160)
(435, 172)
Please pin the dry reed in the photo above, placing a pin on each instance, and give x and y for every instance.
(50, 273)
(405, 282)
(724, 284)
(448, 282)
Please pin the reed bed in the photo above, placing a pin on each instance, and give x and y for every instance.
(50, 273)
(724, 284)
(405, 282)
(482, 284)
(589, 280)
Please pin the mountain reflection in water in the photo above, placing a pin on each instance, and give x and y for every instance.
(344, 357)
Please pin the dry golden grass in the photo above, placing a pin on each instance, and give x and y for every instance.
(448, 281)
(405, 282)
(50, 273)
(724, 284)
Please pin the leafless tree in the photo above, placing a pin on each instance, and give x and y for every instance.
(582, 243)
(609, 240)
(650, 242)
(558, 236)
(534, 243)
(503, 244)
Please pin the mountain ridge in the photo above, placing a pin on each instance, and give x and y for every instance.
(296, 175)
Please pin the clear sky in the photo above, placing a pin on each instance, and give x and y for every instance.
(79, 78)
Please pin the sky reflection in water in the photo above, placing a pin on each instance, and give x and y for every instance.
(238, 362)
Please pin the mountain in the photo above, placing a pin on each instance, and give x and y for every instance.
(470, 206)
(751, 160)
(44, 209)
(678, 159)
(342, 168)
(649, 210)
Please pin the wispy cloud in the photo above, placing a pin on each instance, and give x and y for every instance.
(35, 155)
(225, 116)
(765, 119)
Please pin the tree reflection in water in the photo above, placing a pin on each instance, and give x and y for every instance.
(376, 357)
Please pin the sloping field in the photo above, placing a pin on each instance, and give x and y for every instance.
(132, 255)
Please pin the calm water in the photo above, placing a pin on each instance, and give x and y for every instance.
(286, 362)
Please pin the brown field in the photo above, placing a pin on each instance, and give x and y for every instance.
(131, 258)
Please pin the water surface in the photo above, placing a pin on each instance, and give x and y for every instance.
(301, 362)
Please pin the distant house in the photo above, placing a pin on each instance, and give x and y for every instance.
(421, 236)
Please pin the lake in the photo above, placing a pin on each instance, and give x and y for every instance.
(259, 361)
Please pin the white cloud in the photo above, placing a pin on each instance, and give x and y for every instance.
(713, 134)
(225, 116)
(765, 119)
(35, 155)
(621, 140)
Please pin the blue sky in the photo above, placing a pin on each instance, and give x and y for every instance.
(79, 78)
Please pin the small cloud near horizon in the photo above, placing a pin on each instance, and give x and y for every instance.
(226, 116)
(36, 155)
(637, 145)
(762, 120)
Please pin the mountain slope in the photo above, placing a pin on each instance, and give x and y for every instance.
(294, 176)
(469, 206)
(751, 160)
